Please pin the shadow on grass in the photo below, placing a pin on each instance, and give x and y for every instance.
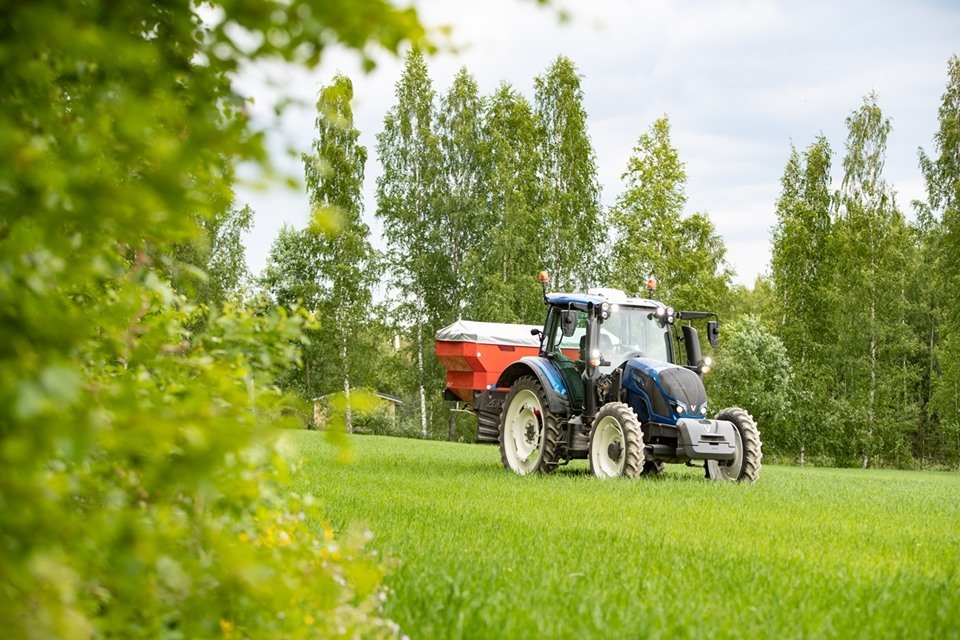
(672, 474)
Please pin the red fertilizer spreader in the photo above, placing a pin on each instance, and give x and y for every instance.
(476, 353)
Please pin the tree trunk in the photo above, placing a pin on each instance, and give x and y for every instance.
(929, 398)
(423, 394)
(306, 365)
(871, 416)
(800, 429)
(347, 412)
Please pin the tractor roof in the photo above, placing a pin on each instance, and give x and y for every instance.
(599, 296)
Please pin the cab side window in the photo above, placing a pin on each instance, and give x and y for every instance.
(567, 346)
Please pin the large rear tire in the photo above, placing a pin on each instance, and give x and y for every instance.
(529, 433)
(745, 467)
(616, 444)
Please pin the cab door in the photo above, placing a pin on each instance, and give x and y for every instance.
(566, 353)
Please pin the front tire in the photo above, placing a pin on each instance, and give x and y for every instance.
(745, 467)
(529, 432)
(616, 444)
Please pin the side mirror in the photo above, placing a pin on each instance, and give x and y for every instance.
(568, 322)
(691, 340)
(713, 333)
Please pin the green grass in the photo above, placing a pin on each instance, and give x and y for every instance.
(805, 553)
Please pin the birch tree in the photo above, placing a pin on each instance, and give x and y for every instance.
(570, 201)
(506, 289)
(941, 242)
(409, 151)
(647, 215)
(654, 238)
(803, 281)
(348, 266)
(463, 219)
(872, 240)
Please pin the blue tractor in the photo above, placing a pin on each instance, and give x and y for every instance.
(609, 385)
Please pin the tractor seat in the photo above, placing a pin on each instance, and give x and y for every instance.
(581, 364)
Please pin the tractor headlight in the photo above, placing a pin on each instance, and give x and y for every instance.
(595, 358)
(605, 310)
(678, 407)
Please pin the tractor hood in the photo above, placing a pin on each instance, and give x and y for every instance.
(664, 391)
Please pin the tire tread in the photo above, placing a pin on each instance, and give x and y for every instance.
(752, 445)
(551, 427)
(632, 437)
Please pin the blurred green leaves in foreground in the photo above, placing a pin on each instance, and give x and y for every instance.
(139, 494)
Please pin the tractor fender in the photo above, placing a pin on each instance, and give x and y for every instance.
(558, 400)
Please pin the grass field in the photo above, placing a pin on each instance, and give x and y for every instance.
(805, 553)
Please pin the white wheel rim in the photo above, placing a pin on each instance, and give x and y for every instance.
(523, 432)
(729, 470)
(607, 440)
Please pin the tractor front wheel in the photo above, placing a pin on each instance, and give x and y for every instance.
(616, 444)
(746, 464)
(529, 433)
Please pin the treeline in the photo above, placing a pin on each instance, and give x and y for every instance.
(865, 302)
(843, 350)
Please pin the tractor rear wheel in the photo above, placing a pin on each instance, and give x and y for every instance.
(616, 444)
(745, 467)
(529, 433)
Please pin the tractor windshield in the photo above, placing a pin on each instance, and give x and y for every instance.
(629, 332)
(632, 332)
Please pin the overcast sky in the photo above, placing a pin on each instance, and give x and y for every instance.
(739, 79)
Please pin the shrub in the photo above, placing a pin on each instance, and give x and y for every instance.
(141, 495)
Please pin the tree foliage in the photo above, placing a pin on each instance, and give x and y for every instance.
(940, 247)
(141, 494)
(503, 289)
(211, 267)
(853, 295)
(463, 219)
(407, 198)
(348, 266)
(653, 238)
(803, 275)
(329, 268)
(570, 191)
(873, 244)
(755, 371)
(648, 213)
(848, 272)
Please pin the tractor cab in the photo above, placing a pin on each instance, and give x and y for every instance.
(625, 328)
(591, 337)
(588, 336)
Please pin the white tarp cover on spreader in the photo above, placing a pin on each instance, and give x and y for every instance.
(489, 333)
